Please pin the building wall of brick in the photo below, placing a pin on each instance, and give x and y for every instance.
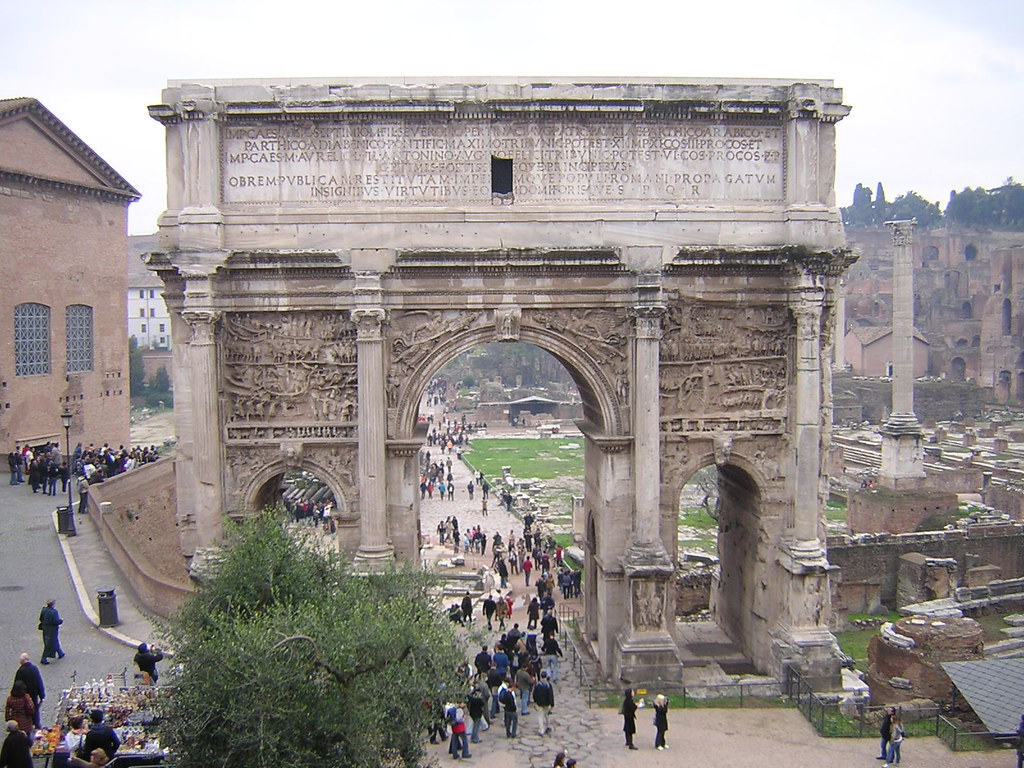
(61, 245)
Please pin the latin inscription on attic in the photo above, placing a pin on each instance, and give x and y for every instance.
(432, 163)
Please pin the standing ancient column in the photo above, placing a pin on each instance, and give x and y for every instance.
(902, 456)
(375, 547)
(646, 422)
(839, 333)
(207, 459)
(808, 428)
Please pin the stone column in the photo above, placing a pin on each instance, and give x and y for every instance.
(207, 455)
(375, 549)
(646, 422)
(807, 433)
(902, 446)
(645, 646)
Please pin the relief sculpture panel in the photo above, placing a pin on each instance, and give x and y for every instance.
(288, 375)
(724, 368)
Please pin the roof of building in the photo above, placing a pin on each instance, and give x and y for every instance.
(867, 335)
(139, 275)
(107, 180)
(994, 688)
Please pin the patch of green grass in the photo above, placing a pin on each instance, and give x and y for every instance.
(543, 458)
(835, 511)
(992, 624)
(698, 517)
(855, 645)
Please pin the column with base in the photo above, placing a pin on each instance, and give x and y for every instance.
(800, 638)
(902, 437)
(645, 648)
(375, 549)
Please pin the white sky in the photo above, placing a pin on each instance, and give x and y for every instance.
(936, 86)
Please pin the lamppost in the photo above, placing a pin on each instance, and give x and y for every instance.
(66, 420)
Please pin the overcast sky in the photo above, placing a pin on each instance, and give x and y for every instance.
(936, 86)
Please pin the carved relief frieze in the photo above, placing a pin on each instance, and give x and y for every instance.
(412, 337)
(724, 368)
(648, 598)
(243, 466)
(294, 367)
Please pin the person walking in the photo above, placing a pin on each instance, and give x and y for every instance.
(544, 701)
(20, 709)
(28, 673)
(660, 721)
(49, 625)
(476, 705)
(892, 756)
(628, 712)
(885, 730)
(525, 684)
(527, 567)
(507, 697)
(16, 751)
(146, 660)
(1020, 743)
(456, 717)
(551, 652)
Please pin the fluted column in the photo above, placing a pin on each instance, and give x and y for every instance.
(808, 426)
(839, 333)
(375, 547)
(207, 459)
(645, 410)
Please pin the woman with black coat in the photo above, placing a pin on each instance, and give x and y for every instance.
(628, 712)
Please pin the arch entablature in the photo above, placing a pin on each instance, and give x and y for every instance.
(573, 337)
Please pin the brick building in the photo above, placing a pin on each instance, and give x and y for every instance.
(968, 295)
(63, 341)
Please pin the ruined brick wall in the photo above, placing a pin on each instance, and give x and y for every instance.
(874, 559)
(1006, 498)
(881, 509)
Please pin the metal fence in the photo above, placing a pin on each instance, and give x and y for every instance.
(829, 720)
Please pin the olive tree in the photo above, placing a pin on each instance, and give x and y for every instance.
(289, 658)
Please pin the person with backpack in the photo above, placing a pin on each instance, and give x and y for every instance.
(455, 716)
(544, 701)
(507, 697)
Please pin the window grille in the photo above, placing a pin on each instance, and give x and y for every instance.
(31, 340)
(79, 338)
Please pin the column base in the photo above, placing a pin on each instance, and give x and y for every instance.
(802, 557)
(647, 658)
(373, 559)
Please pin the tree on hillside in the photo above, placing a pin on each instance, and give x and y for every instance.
(979, 208)
(881, 207)
(861, 212)
(912, 206)
(288, 658)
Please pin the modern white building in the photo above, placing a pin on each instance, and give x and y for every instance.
(148, 319)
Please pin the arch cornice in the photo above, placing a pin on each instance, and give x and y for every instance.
(597, 381)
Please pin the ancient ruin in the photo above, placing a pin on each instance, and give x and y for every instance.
(329, 245)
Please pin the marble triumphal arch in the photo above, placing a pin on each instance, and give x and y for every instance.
(329, 244)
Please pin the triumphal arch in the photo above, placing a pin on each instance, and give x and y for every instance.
(330, 244)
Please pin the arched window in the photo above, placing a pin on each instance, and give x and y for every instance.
(31, 340)
(966, 311)
(970, 252)
(1007, 317)
(79, 338)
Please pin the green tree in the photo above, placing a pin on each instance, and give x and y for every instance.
(136, 369)
(288, 658)
(159, 390)
(912, 206)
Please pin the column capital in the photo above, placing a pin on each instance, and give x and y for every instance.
(902, 231)
(203, 324)
(647, 320)
(369, 322)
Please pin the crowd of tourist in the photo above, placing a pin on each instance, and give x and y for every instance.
(44, 467)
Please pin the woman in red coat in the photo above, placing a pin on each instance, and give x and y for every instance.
(20, 708)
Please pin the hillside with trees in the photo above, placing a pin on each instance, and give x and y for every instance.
(1000, 208)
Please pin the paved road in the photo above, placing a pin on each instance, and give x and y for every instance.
(33, 569)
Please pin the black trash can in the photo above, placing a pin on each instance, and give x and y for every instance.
(107, 602)
(66, 521)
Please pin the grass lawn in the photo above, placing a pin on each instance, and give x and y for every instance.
(546, 459)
